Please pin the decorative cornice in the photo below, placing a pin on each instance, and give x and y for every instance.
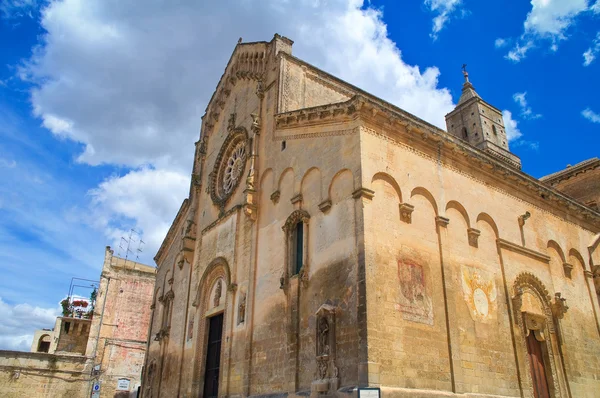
(442, 221)
(275, 196)
(296, 198)
(503, 243)
(567, 268)
(406, 210)
(317, 114)
(172, 231)
(473, 235)
(571, 171)
(366, 106)
(497, 170)
(325, 205)
(248, 62)
(363, 193)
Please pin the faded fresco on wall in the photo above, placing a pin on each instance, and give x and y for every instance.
(479, 292)
(414, 302)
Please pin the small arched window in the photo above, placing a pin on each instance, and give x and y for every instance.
(298, 247)
(494, 130)
(44, 343)
(296, 239)
(465, 133)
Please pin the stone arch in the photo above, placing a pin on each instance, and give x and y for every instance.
(554, 245)
(166, 279)
(311, 180)
(216, 268)
(340, 175)
(575, 253)
(44, 343)
(156, 295)
(566, 267)
(528, 284)
(294, 218)
(267, 177)
(390, 180)
(490, 221)
(453, 204)
(427, 195)
(283, 175)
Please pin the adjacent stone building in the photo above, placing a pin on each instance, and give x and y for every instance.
(107, 350)
(332, 241)
(581, 182)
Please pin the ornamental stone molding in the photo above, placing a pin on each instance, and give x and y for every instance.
(295, 218)
(229, 166)
(473, 236)
(406, 210)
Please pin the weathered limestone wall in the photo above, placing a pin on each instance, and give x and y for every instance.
(303, 88)
(415, 246)
(43, 335)
(24, 374)
(120, 324)
(584, 187)
(73, 335)
(269, 345)
(440, 282)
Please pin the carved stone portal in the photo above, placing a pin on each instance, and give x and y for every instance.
(326, 377)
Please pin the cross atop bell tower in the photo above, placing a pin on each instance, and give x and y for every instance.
(480, 124)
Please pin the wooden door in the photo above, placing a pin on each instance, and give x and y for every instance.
(213, 356)
(538, 370)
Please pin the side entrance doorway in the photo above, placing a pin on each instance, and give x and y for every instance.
(538, 370)
(213, 356)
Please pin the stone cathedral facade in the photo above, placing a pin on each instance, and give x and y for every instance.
(333, 241)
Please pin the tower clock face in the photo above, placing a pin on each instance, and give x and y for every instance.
(229, 166)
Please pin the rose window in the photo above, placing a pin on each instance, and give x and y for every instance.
(229, 167)
(234, 167)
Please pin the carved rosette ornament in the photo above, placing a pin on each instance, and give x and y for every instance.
(230, 165)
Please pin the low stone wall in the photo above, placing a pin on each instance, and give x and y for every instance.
(34, 374)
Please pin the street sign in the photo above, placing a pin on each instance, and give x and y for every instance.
(96, 389)
(369, 392)
(123, 385)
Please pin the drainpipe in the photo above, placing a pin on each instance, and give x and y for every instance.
(98, 338)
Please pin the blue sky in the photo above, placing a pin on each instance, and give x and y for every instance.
(100, 104)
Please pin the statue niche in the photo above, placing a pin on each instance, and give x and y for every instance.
(326, 378)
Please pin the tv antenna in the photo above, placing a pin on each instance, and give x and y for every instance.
(126, 244)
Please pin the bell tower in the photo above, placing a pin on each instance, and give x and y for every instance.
(480, 124)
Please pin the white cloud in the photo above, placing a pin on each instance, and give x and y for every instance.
(548, 20)
(147, 199)
(130, 83)
(20, 321)
(132, 87)
(590, 55)
(520, 51)
(17, 8)
(526, 111)
(591, 115)
(444, 10)
(512, 130)
(500, 42)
